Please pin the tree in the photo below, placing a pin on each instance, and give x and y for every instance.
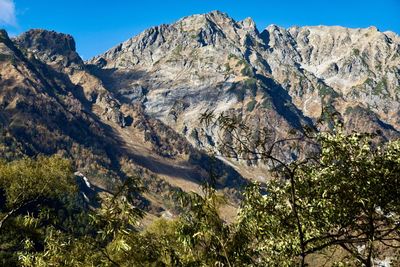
(27, 183)
(32, 195)
(205, 237)
(44, 220)
(340, 192)
(343, 191)
(105, 242)
(348, 197)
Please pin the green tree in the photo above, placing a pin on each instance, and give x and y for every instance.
(207, 240)
(348, 196)
(107, 240)
(27, 183)
(44, 220)
(33, 195)
(341, 191)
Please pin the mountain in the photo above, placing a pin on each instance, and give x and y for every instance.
(137, 107)
(51, 104)
(279, 78)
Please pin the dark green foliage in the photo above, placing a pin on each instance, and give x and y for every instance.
(251, 105)
(324, 91)
(381, 87)
(44, 221)
(344, 195)
(331, 202)
(336, 196)
(251, 85)
(35, 195)
(247, 71)
(232, 56)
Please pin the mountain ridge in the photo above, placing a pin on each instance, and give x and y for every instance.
(138, 105)
(286, 53)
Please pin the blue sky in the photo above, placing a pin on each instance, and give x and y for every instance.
(97, 25)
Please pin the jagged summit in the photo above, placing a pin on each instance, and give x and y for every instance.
(50, 46)
(3, 33)
(4, 42)
(215, 16)
(212, 29)
(43, 39)
(187, 60)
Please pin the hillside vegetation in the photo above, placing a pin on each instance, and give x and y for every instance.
(340, 205)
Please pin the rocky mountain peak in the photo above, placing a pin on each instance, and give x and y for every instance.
(248, 23)
(191, 37)
(8, 51)
(218, 14)
(47, 40)
(175, 69)
(4, 39)
(51, 47)
(214, 27)
(277, 80)
(3, 34)
(218, 17)
(214, 17)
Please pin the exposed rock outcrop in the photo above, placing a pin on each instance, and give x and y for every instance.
(279, 78)
(138, 105)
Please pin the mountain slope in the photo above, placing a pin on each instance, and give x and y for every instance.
(279, 78)
(136, 108)
(50, 103)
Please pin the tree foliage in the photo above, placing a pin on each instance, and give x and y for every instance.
(340, 193)
(347, 197)
(340, 190)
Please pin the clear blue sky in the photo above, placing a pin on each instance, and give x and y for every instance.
(98, 25)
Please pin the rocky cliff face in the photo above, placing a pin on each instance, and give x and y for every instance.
(278, 78)
(50, 103)
(200, 62)
(138, 105)
(360, 66)
(56, 49)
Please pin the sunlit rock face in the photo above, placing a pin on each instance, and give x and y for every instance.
(278, 78)
(139, 104)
